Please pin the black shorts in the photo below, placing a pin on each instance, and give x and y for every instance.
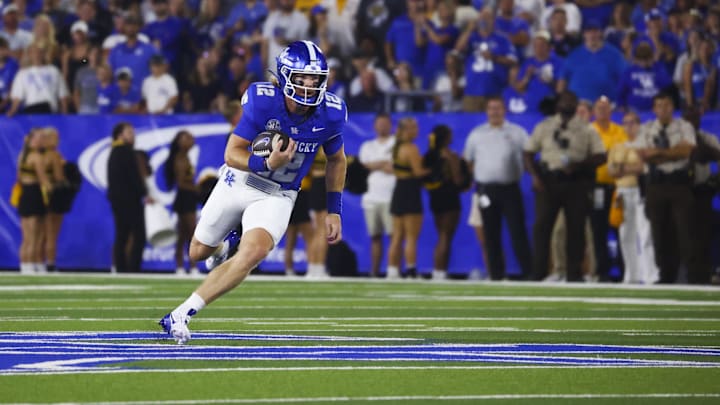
(186, 201)
(318, 194)
(61, 200)
(407, 197)
(31, 201)
(444, 199)
(301, 210)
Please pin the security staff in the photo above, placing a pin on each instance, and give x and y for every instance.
(665, 144)
(570, 151)
(704, 190)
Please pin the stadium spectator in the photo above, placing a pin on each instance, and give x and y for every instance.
(594, 69)
(405, 100)
(132, 53)
(404, 40)
(207, 28)
(168, 34)
(642, 80)
(665, 144)
(32, 175)
(488, 57)
(611, 134)
(319, 32)
(439, 39)
(8, 69)
(406, 205)
(704, 191)
(60, 199)
(449, 175)
(127, 193)
(512, 26)
(562, 41)
(38, 86)
(373, 21)
(76, 56)
(569, 153)
(203, 89)
(43, 33)
(449, 85)
(18, 39)
(318, 246)
(495, 152)
(536, 79)
(600, 10)
(283, 26)
(180, 174)
(92, 87)
(335, 83)
(159, 90)
(376, 156)
(371, 98)
(692, 52)
(620, 24)
(665, 43)
(245, 17)
(530, 11)
(572, 14)
(640, 10)
(712, 24)
(699, 81)
(98, 20)
(127, 97)
(362, 61)
(626, 166)
(237, 77)
(60, 17)
(342, 19)
(118, 34)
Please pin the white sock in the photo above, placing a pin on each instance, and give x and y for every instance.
(40, 267)
(438, 274)
(393, 272)
(191, 306)
(26, 268)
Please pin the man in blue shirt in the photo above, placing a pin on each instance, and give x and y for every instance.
(260, 191)
(594, 69)
(8, 69)
(404, 40)
(133, 54)
(642, 80)
(249, 15)
(536, 79)
(515, 28)
(127, 98)
(488, 58)
(166, 33)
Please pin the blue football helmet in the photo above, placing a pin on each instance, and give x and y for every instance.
(299, 59)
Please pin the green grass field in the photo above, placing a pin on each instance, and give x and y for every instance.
(94, 339)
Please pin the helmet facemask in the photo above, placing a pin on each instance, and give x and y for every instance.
(294, 85)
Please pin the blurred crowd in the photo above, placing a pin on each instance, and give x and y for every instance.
(162, 56)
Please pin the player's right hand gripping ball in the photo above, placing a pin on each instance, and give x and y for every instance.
(262, 145)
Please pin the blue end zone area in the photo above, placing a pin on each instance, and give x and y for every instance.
(87, 352)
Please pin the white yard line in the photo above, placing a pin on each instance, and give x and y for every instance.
(70, 287)
(368, 318)
(405, 398)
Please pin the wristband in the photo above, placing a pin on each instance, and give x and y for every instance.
(257, 164)
(334, 202)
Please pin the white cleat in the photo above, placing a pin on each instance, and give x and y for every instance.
(176, 326)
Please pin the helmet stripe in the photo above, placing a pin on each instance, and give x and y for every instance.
(311, 51)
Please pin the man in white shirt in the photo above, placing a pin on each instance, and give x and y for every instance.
(159, 90)
(17, 38)
(376, 155)
(283, 26)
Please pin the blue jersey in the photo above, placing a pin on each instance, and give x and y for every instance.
(639, 85)
(169, 32)
(106, 98)
(136, 58)
(129, 99)
(264, 109)
(484, 77)
(594, 74)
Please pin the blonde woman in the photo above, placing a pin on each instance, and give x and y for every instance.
(406, 205)
(38, 86)
(318, 206)
(60, 198)
(44, 38)
(35, 183)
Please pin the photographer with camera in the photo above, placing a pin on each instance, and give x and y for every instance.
(570, 151)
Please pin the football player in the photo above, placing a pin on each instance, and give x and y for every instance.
(260, 192)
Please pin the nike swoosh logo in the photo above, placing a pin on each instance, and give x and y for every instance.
(315, 129)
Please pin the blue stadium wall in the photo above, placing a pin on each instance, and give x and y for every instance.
(87, 233)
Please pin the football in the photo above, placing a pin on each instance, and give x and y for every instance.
(262, 144)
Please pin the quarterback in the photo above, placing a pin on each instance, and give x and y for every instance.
(260, 192)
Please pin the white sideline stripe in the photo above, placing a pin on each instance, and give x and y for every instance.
(70, 287)
(366, 318)
(402, 398)
(342, 368)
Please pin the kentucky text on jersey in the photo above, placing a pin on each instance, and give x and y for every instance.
(264, 109)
